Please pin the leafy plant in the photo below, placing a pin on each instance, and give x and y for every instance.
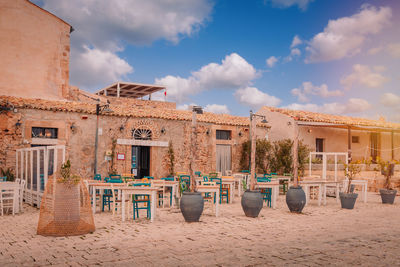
(9, 173)
(387, 170)
(66, 176)
(350, 171)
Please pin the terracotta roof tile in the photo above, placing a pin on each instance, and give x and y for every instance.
(309, 116)
(125, 110)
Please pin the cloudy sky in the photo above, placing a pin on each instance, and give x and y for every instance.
(230, 56)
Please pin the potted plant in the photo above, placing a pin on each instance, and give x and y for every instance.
(388, 193)
(348, 198)
(192, 202)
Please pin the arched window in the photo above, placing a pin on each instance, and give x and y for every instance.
(141, 134)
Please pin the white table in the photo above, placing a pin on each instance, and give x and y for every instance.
(225, 180)
(163, 184)
(321, 189)
(136, 190)
(16, 187)
(239, 177)
(211, 189)
(274, 190)
(364, 187)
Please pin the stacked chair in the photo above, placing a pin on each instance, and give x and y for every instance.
(265, 192)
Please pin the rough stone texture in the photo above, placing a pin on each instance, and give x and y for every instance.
(326, 235)
(139, 102)
(34, 51)
(80, 141)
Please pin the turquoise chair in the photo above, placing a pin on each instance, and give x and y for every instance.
(108, 194)
(245, 171)
(265, 192)
(97, 177)
(184, 182)
(149, 177)
(41, 182)
(115, 176)
(3, 179)
(198, 174)
(223, 192)
(137, 199)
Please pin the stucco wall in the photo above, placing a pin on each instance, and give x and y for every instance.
(282, 126)
(34, 51)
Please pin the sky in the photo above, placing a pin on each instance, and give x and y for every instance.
(232, 56)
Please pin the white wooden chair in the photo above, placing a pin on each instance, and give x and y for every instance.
(22, 184)
(117, 201)
(7, 200)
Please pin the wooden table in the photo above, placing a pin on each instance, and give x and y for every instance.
(127, 191)
(321, 184)
(163, 184)
(16, 187)
(274, 190)
(225, 180)
(364, 187)
(211, 189)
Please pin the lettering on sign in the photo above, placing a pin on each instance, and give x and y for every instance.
(132, 142)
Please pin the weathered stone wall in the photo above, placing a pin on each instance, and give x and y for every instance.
(80, 139)
(34, 51)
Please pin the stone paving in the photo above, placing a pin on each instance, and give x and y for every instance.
(369, 235)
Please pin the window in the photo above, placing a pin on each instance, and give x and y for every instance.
(355, 139)
(319, 146)
(223, 135)
(141, 134)
(41, 132)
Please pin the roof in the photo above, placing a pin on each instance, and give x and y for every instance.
(128, 89)
(125, 110)
(314, 117)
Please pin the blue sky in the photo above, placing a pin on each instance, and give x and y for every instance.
(230, 56)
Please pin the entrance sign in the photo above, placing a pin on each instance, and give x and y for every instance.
(120, 156)
(133, 142)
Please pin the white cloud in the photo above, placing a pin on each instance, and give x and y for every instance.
(364, 76)
(374, 50)
(108, 26)
(94, 67)
(394, 49)
(354, 105)
(302, 4)
(271, 61)
(215, 108)
(186, 106)
(296, 41)
(295, 52)
(390, 100)
(345, 36)
(234, 72)
(255, 98)
(308, 88)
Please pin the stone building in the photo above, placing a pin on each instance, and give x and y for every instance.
(363, 139)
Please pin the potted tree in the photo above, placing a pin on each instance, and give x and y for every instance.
(388, 193)
(192, 202)
(348, 198)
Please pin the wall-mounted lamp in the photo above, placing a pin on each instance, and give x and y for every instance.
(121, 128)
(208, 132)
(240, 134)
(309, 130)
(73, 127)
(163, 131)
(18, 124)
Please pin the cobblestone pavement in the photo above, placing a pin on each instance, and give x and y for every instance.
(369, 235)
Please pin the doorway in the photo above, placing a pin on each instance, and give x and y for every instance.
(140, 161)
(223, 158)
(374, 146)
(319, 147)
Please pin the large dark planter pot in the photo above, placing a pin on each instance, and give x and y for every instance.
(252, 203)
(192, 204)
(387, 196)
(295, 199)
(347, 200)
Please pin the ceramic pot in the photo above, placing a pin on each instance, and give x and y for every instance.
(347, 200)
(295, 199)
(387, 196)
(252, 203)
(192, 204)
